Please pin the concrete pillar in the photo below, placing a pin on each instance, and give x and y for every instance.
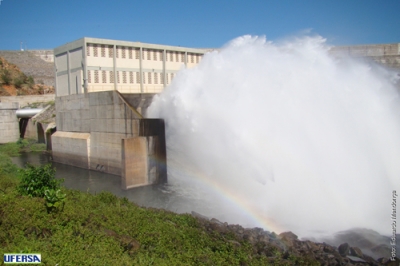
(9, 125)
(115, 67)
(141, 69)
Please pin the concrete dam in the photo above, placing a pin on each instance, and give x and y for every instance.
(103, 131)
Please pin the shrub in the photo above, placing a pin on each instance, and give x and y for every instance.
(6, 77)
(35, 180)
(30, 81)
(20, 80)
(55, 200)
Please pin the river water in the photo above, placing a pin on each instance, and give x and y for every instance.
(156, 196)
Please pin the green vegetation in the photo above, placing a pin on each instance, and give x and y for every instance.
(70, 227)
(10, 75)
(37, 180)
(6, 77)
(13, 149)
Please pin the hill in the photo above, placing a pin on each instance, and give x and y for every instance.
(15, 82)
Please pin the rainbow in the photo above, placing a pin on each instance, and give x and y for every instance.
(255, 216)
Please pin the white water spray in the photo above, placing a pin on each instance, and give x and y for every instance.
(288, 132)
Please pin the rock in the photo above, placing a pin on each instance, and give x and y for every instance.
(355, 251)
(200, 216)
(288, 238)
(382, 250)
(395, 262)
(344, 249)
(355, 259)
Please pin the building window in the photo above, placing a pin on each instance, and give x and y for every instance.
(96, 76)
(138, 77)
(87, 49)
(162, 78)
(137, 53)
(197, 58)
(155, 55)
(149, 76)
(191, 58)
(166, 75)
(155, 78)
(89, 76)
(171, 56)
(95, 54)
(161, 55)
(117, 77)
(182, 57)
(144, 78)
(116, 52)
(131, 77)
(123, 76)
(103, 51)
(148, 54)
(111, 76)
(103, 76)
(110, 51)
(130, 52)
(177, 56)
(123, 52)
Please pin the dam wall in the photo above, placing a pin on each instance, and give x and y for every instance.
(9, 124)
(104, 131)
(12, 127)
(28, 100)
(385, 54)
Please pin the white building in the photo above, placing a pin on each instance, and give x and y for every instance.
(90, 65)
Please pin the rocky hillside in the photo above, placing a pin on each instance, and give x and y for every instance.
(31, 65)
(287, 249)
(14, 81)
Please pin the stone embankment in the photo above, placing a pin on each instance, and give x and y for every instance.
(31, 65)
(287, 249)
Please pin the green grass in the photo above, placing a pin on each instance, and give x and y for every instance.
(103, 229)
(98, 230)
(14, 149)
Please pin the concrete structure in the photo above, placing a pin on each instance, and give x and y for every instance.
(103, 131)
(90, 65)
(14, 125)
(9, 124)
(385, 54)
(103, 88)
(29, 100)
(45, 55)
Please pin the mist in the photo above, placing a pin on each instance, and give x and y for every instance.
(284, 136)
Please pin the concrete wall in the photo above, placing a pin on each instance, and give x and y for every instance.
(45, 55)
(71, 148)
(97, 126)
(28, 99)
(9, 125)
(386, 54)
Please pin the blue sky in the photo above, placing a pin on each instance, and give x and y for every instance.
(46, 24)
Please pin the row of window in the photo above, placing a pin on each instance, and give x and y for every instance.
(96, 50)
(103, 76)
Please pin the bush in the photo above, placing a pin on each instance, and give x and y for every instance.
(6, 77)
(30, 81)
(55, 200)
(35, 180)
